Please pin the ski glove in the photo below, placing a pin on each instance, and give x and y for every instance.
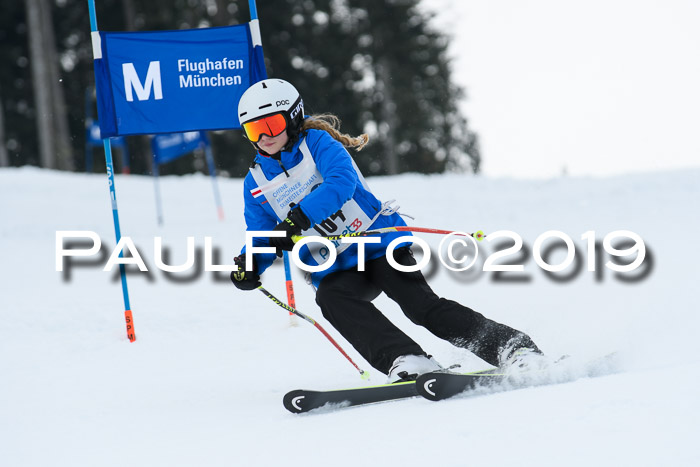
(295, 222)
(242, 279)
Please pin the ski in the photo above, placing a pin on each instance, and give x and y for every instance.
(302, 400)
(444, 384)
(441, 385)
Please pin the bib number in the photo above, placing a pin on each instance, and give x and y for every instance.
(336, 224)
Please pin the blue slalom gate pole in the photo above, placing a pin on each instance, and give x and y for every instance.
(156, 187)
(253, 10)
(291, 301)
(130, 331)
(287, 268)
(212, 173)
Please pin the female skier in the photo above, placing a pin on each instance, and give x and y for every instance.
(304, 182)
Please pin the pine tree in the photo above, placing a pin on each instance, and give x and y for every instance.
(52, 131)
(4, 158)
(377, 64)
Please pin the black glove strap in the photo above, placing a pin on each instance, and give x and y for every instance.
(242, 279)
(299, 219)
(295, 222)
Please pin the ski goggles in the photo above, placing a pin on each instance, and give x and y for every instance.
(272, 125)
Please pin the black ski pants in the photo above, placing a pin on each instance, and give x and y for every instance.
(345, 298)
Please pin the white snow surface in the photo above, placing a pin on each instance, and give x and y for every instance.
(204, 381)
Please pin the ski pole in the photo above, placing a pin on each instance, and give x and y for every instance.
(478, 235)
(363, 373)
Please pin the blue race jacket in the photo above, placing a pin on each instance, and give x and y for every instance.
(341, 184)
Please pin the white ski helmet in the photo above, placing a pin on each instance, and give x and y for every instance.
(269, 97)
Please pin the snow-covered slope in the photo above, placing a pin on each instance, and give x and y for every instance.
(203, 383)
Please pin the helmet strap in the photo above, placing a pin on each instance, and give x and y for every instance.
(293, 137)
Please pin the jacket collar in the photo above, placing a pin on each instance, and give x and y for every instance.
(284, 156)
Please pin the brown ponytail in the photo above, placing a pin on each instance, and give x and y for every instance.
(331, 124)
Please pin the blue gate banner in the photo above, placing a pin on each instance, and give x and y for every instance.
(174, 81)
(168, 147)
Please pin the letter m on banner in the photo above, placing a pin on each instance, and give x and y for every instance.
(174, 81)
(132, 82)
